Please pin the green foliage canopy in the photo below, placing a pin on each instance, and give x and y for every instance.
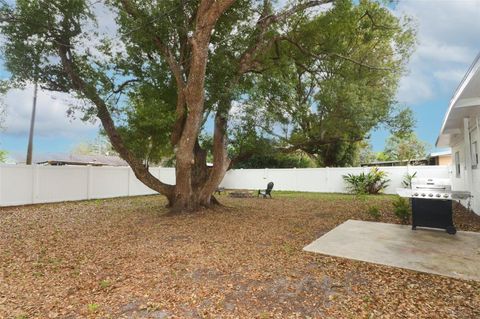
(326, 78)
(332, 80)
(405, 148)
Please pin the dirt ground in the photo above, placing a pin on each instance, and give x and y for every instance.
(128, 258)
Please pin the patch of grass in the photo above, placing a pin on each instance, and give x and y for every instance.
(93, 307)
(313, 195)
(374, 212)
(366, 299)
(21, 317)
(402, 209)
(104, 284)
(264, 315)
(332, 196)
(288, 248)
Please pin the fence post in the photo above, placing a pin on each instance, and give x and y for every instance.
(34, 183)
(89, 181)
(128, 181)
(327, 178)
(295, 178)
(265, 177)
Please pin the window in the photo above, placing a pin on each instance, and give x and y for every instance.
(457, 164)
(474, 151)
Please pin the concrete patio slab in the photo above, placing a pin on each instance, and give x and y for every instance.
(426, 250)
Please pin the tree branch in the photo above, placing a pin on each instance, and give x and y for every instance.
(123, 85)
(319, 57)
(161, 46)
(264, 22)
(141, 172)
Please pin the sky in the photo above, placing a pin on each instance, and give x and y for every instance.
(448, 33)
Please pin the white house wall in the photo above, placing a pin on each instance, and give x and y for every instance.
(461, 183)
(476, 191)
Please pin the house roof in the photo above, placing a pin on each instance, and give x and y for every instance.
(464, 103)
(73, 159)
(441, 153)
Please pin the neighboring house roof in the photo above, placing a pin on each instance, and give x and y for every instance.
(441, 153)
(464, 103)
(414, 161)
(394, 163)
(73, 159)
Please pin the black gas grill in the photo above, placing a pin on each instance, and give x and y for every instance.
(432, 203)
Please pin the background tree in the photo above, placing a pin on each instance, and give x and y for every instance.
(323, 92)
(365, 153)
(3, 156)
(173, 65)
(99, 146)
(405, 148)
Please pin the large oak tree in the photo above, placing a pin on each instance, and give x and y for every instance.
(173, 64)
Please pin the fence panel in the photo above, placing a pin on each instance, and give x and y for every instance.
(109, 182)
(56, 184)
(16, 185)
(167, 175)
(311, 180)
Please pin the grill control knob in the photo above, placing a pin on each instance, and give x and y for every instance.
(423, 194)
(445, 195)
(416, 194)
(438, 195)
(430, 195)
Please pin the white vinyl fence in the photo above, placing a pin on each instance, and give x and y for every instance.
(20, 184)
(324, 180)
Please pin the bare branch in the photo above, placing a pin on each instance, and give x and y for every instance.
(333, 54)
(122, 86)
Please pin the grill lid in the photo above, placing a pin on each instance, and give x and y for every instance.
(432, 188)
(431, 183)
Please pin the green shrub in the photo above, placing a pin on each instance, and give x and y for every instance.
(407, 180)
(374, 212)
(373, 182)
(402, 209)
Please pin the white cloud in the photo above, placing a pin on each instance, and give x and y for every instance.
(414, 88)
(51, 116)
(451, 75)
(447, 44)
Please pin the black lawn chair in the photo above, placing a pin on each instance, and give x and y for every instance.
(266, 192)
(219, 190)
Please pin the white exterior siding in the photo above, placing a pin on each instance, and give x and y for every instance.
(476, 191)
(460, 130)
(461, 183)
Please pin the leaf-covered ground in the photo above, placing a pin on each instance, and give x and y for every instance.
(127, 258)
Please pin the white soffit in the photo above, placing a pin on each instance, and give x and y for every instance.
(464, 103)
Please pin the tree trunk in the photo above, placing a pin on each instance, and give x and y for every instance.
(196, 191)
